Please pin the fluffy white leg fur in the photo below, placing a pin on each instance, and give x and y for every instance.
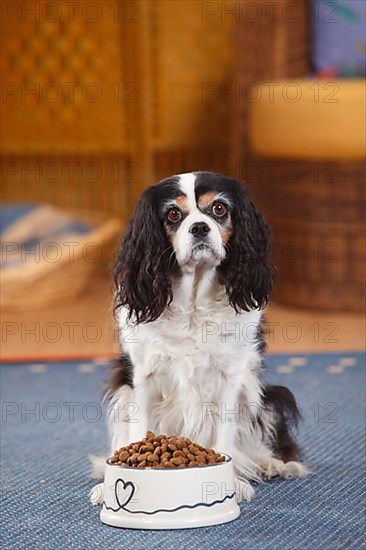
(243, 490)
(97, 466)
(119, 417)
(96, 495)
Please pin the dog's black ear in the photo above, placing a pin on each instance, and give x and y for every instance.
(142, 269)
(247, 271)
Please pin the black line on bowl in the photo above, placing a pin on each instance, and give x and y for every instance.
(182, 507)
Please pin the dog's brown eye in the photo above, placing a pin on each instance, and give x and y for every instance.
(219, 209)
(174, 215)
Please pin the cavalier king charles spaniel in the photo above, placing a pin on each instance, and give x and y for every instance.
(193, 276)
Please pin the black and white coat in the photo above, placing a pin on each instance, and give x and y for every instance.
(192, 277)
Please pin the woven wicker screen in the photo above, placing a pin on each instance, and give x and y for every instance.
(64, 129)
(60, 93)
(185, 60)
(101, 98)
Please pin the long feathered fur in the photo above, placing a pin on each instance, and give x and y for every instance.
(177, 369)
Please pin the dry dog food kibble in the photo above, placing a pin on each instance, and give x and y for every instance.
(163, 451)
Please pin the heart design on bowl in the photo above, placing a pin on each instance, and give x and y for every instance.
(124, 491)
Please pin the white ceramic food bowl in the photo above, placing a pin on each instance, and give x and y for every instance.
(167, 498)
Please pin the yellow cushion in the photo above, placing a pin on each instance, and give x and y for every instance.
(309, 119)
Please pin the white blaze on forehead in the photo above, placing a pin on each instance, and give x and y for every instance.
(187, 186)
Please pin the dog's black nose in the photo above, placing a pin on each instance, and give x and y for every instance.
(199, 229)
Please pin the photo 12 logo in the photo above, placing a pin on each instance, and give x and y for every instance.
(69, 92)
(68, 11)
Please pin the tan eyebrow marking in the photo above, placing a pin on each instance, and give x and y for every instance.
(205, 200)
(182, 202)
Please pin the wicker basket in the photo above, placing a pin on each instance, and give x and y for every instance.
(319, 232)
(47, 283)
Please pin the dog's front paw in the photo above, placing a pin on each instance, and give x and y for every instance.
(96, 495)
(277, 468)
(294, 469)
(243, 489)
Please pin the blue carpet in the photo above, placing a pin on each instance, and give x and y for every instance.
(52, 419)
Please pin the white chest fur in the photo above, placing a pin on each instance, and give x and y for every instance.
(198, 356)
